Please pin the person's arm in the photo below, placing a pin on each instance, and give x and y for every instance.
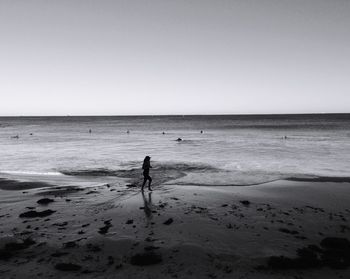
(146, 165)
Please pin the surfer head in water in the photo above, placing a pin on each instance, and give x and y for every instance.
(146, 166)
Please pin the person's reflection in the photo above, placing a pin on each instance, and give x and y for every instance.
(147, 205)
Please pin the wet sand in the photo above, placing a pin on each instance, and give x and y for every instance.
(112, 230)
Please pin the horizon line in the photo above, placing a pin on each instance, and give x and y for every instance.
(155, 115)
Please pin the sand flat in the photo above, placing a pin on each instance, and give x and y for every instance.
(110, 231)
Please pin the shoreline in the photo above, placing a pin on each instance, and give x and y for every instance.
(181, 115)
(199, 232)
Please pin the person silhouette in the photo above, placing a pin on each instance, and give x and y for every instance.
(146, 166)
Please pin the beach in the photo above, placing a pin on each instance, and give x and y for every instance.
(236, 197)
(175, 139)
(113, 230)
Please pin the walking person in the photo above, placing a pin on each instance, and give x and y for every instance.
(146, 166)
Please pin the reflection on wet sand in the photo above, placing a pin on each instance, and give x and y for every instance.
(147, 205)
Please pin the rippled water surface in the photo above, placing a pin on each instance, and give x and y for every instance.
(232, 150)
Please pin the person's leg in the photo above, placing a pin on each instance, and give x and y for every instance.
(144, 182)
(149, 183)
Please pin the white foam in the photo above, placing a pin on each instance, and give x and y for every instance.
(17, 172)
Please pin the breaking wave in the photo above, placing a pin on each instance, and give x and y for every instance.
(34, 173)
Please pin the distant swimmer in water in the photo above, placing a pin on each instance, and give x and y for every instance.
(163, 133)
(128, 132)
(179, 139)
(201, 131)
(15, 137)
(90, 131)
(146, 166)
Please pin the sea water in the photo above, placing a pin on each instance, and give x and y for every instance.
(230, 150)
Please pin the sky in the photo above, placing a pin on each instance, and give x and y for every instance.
(101, 57)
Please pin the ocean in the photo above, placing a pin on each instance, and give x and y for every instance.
(231, 149)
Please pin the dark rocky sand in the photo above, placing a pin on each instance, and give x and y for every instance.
(282, 229)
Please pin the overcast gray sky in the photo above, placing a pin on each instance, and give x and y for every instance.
(174, 57)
